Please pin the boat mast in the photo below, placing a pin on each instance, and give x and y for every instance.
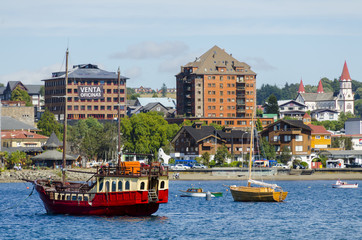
(251, 139)
(65, 117)
(119, 120)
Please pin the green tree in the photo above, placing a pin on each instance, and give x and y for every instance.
(271, 106)
(146, 133)
(164, 90)
(48, 124)
(206, 158)
(155, 95)
(285, 155)
(17, 158)
(259, 125)
(42, 91)
(134, 96)
(19, 94)
(267, 150)
(221, 155)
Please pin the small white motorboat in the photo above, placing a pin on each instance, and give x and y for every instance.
(340, 184)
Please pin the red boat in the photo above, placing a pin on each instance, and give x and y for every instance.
(130, 189)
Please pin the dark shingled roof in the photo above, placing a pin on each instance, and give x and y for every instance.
(52, 155)
(216, 57)
(232, 134)
(53, 141)
(200, 133)
(87, 71)
(318, 96)
(298, 123)
(9, 123)
(33, 89)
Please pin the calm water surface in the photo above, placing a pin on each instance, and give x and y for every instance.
(313, 210)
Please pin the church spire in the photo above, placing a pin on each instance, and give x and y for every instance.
(301, 87)
(320, 87)
(345, 73)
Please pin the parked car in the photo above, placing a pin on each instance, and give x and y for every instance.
(298, 166)
(180, 167)
(281, 165)
(199, 166)
(353, 165)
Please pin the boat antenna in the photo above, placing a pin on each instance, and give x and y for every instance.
(118, 119)
(65, 118)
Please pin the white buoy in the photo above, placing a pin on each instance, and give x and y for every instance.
(208, 196)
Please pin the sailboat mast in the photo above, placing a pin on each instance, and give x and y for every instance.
(118, 119)
(65, 117)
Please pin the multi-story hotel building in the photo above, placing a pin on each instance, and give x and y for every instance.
(89, 92)
(216, 85)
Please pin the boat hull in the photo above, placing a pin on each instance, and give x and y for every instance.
(345, 186)
(110, 204)
(257, 194)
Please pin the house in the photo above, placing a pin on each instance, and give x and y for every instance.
(169, 103)
(291, 108)
(321, 138)
(324, 115)
(155, 107)
(19, 136)
(193, 141)
(293, 135)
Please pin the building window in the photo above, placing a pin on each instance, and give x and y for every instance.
(317, 137)
(299, 138)
(298, 148)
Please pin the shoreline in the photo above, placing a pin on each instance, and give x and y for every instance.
(10, 176)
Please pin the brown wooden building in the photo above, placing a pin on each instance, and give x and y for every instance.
(89, 92)
(293, 134)
(193, 141)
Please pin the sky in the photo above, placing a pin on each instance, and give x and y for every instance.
(283, 41)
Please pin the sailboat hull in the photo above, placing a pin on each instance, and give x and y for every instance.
(257, 194)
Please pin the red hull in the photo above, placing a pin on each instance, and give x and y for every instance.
(133, 203)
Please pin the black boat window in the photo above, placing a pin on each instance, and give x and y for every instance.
(85, 198)
(107, 186)
(68, 197)
(114, 186)
(100, 186)
(80, 198)
(142, 185)
(74, 197)
(127, 186)
(120, 183)
(162, 186)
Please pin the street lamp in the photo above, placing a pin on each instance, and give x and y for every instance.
(242, 145)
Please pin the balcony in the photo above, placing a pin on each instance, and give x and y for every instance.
(240, 110)
(240, 95)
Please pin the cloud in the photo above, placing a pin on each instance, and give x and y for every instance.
(31, 77)
(146, 50)
(133, 72)
(260, 64)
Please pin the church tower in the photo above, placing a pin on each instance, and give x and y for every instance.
(345, 96)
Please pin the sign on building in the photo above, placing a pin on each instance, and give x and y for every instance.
(90, 92)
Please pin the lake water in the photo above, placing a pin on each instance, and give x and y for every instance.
(312, 210)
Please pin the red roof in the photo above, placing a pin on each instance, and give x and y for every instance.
(306, 115)
(301, 87)
(21, 135)
(345, 73)
(320, 87)
(319, 130)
